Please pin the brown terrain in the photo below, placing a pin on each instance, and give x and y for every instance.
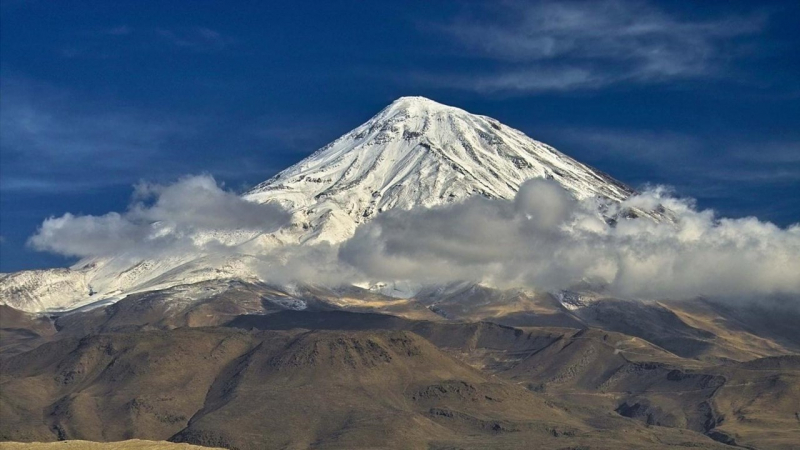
(240, 371)
(133, 444)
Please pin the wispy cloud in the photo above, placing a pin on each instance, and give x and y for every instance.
(107, 42)
(199, 39)
(53, 141)
(122, 30)
(297, 134)
(545, 46)
(517, 80)
(724, 170)
(726, 158)
(661, 148)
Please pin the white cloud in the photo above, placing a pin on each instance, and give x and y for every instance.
(543, 239)
(548, 241)
(191, 214)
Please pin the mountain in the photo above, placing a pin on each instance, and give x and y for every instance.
(417, 152)
(195, 347)
(414, 153)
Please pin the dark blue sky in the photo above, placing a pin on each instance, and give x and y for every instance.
(95, 96)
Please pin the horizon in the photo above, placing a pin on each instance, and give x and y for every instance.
(98, 98)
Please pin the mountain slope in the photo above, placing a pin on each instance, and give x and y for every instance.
(414, 153)
(417, 152)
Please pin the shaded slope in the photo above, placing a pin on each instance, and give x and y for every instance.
(21, 331)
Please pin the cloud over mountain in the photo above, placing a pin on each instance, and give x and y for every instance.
(160, 219)
(547, 240)
(543, 239)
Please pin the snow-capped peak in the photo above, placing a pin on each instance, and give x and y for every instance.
(418, 105)
(417, 152)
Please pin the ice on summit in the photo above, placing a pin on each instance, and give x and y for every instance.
(417, 152)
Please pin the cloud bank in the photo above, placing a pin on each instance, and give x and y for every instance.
(191, 214)
(543, 239)
(546, 240)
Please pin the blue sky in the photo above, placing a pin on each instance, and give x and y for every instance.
(96, 96)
